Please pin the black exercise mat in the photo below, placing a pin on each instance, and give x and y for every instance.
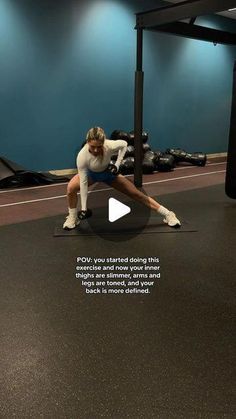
(154, 226)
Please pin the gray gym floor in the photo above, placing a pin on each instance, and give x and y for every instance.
(169, 354)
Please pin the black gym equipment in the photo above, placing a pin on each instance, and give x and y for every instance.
(148, 164)
(146, 147)
(127, 166)
(164, 162)
(12, 175)
(230, 179)
(120, 135)
(178, 154)
(144, 137)
(129, 151)
(111, 168)
(82, 215)
(196, 159)
(168, 19)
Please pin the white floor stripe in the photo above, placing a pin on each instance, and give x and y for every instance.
(33, 187)
(107, 189)
(184, 177)
(65, 183)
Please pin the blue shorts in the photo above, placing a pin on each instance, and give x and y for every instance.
(105, 176)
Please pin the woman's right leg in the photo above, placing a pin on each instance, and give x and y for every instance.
(73, 188)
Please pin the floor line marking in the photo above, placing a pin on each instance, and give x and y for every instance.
(65, 183)
(185, 177)
(34, 187)
(107, 189)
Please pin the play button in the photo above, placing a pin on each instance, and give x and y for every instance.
(117, 217)
(116, 210)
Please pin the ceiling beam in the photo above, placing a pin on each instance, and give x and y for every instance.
(198, 32)
(180, 11)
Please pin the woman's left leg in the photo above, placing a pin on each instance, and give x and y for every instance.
(124, 185)
(128, 188)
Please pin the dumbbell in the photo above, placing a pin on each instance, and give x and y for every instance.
(82, 215)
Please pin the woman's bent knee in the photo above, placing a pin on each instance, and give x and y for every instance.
(72, 188)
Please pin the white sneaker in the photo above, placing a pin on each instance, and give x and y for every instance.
(172, 220)
(71, 222)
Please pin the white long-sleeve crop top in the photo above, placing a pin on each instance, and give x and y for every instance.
(85, 160)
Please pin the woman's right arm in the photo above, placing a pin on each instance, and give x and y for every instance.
(82, 170)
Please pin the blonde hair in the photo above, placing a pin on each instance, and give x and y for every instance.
(96, 133)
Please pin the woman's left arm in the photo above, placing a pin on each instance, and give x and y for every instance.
(120, 146)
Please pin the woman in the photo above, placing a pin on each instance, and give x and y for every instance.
(93, 163)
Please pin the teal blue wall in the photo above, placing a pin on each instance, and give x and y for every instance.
(188, 88)
(68, 65)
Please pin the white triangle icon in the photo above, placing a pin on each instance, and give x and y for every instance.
(116, 210)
